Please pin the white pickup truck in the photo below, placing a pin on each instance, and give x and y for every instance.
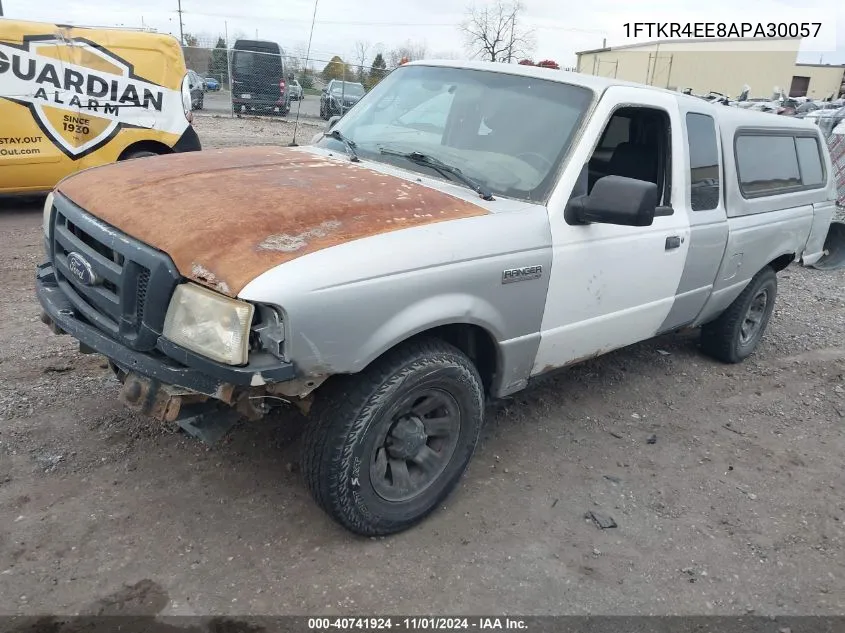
(463, 229)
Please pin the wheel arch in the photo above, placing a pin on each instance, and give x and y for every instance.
(780, 262)
(145, 146)
(475, 340)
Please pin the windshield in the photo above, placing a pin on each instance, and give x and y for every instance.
(507, 132)
(353, 90)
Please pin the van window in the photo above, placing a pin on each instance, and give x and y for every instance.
(809, 160)
(704, 162)
(766, 164)
(243, 63)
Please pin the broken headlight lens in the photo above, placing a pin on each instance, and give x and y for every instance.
(209, 324)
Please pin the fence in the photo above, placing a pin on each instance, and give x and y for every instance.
(250, 82)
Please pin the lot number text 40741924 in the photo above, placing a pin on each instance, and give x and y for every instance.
(416, 624)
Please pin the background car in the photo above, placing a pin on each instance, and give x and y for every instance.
(339, 96)
(212, 84)
(258, 78)
(197, 86)
(295, 90)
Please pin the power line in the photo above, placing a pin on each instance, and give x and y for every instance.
(366, 23)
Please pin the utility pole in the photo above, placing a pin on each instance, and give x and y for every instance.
(1, 8)
(181, 33)
(512, 35)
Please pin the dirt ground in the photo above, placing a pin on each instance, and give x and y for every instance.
(737, 505)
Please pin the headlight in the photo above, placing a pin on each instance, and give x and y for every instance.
(48, 208)
(208, 323)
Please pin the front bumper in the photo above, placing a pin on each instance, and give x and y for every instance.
(168, 363)
(188, 142)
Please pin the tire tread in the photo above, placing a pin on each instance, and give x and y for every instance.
(718, 338)
(339, 410)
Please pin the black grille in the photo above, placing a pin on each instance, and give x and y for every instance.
(133, 284)
(141, 293)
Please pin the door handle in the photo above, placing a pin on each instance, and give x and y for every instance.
(673, 242)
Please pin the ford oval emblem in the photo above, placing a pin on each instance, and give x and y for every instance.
(81, 269)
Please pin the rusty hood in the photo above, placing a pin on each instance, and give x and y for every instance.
(226, 216)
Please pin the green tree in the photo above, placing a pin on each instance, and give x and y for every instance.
(335, 69)
(377, 71)
(218, 64)
(306, 78)
(191, 40)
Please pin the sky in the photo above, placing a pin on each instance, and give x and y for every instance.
(560, 28)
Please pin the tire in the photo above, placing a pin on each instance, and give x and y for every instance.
(139, 154)
(356, 444)
(200, 102)
(737, 332)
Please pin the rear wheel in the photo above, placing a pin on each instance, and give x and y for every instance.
(737, 332)
(385, 447)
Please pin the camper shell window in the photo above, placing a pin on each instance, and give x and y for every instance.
(777, 162)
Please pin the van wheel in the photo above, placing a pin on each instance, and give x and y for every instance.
(139, 154)
(385, 447)
(734, 336)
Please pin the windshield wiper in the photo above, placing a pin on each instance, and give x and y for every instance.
(438, 165)
(347, 143)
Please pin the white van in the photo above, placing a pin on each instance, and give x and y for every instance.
(477, 226)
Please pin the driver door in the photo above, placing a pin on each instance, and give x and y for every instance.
(609, 285)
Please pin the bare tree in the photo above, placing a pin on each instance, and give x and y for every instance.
(495, 32)
(409, 51)
(360, 55)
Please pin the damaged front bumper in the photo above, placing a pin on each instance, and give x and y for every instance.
(169, 383)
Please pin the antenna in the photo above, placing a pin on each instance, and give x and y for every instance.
(307, 58)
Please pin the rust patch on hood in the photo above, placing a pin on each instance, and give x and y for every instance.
(226, 216)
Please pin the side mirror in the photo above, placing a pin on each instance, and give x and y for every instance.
(332, 122)
(617, 200)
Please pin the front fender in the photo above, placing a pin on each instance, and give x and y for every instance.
(431, 312)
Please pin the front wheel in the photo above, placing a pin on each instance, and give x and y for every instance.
(737, 332)
(388, 445)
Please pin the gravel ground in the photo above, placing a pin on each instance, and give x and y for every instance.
(218, 131)
(736, 505)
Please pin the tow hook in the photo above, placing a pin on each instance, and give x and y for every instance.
(197, 414)
(46, 320)
(157, 400)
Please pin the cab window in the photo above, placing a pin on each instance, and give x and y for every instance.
(704, 162)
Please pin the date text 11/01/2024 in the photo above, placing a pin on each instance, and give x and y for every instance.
(416, 624)
(722, 29)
